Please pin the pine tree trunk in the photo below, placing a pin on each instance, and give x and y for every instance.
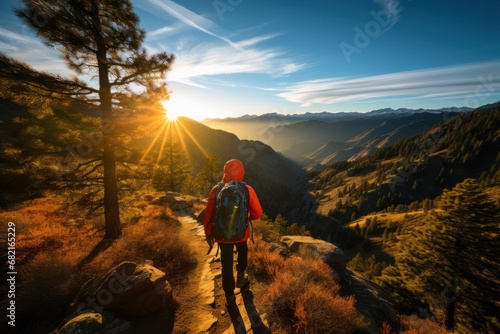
(111, 207)
(450, 306)
(450, 317)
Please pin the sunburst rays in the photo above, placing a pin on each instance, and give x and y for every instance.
(171, 129)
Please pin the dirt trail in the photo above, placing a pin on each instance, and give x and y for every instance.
(202, 300)
(196, 297)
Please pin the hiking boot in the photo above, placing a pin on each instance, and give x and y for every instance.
(242, 280)
(230, 301)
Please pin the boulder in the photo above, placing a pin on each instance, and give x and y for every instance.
(134, 290)
(275, 247)
(371, 300)
(179, 202)
(309, 247)
(87, 323)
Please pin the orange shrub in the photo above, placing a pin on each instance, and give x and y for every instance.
(319, 311)
(262, 263)
(415, 325)
(302, 296)
(148, 240)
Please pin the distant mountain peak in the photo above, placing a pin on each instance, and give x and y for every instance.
(333, 116)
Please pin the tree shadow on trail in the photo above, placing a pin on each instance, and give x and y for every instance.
(98, 249)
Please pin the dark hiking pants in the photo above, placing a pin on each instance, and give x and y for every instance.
(226, 258)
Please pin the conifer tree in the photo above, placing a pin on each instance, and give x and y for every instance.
(172, 171)
(210, 174)
(101, 39)
(451, 261)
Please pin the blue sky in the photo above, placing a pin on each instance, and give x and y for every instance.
(236, 57)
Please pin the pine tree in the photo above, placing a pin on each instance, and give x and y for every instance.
(280, 224)
(101, 39)
(172, 171)
(210, 174)
(451, 261)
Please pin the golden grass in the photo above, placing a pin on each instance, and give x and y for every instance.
(148, 240)
(51, 242)
(302, 296)
(415, 325)
(320, 312)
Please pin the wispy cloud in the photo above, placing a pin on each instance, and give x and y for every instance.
(31, 50)
(192, 19)
(199, 62)
(15, 37)
(163, 32)
(481, 78)
(193, 65)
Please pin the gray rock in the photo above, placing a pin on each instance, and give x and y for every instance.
(309, 247)
(134, 290)
(371, 300)
(275, 247)
(87, 323)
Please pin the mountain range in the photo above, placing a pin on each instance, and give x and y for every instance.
(316, 140)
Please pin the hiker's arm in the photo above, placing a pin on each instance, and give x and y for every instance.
(207, 224)
(254, 209)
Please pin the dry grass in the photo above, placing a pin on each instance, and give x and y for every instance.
(320, 312)
(51, 241)
(415, 325)
(264, 264)
(302, 296)
(152, 239)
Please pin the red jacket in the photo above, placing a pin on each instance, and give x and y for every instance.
(233, 170)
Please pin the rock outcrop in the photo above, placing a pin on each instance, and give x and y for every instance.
(134, 290)
(371, 301)
(309, 247)
(129, 298)
(83, 323)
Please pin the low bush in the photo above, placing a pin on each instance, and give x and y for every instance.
(264, 264)
(148, 240)
(48, 285)
(302, 296)
(415, 325)
(50, 246)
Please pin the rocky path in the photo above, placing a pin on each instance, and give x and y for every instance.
(196, 298)
(202, 308)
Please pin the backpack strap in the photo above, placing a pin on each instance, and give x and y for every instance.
(214, 209)
(247, 194)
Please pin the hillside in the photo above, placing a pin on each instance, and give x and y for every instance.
(318, 140)
(412, 169)
(378, 207)
(271, 174)
(31, 148)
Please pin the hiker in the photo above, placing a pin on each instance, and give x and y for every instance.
(227, 240)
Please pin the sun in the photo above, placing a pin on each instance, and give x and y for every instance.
(186, 106)
(172, 114)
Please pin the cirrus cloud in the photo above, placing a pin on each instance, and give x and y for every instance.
(480, 78)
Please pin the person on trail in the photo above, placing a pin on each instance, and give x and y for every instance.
(234, 172)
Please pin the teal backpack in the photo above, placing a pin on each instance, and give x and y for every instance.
(230, 219)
